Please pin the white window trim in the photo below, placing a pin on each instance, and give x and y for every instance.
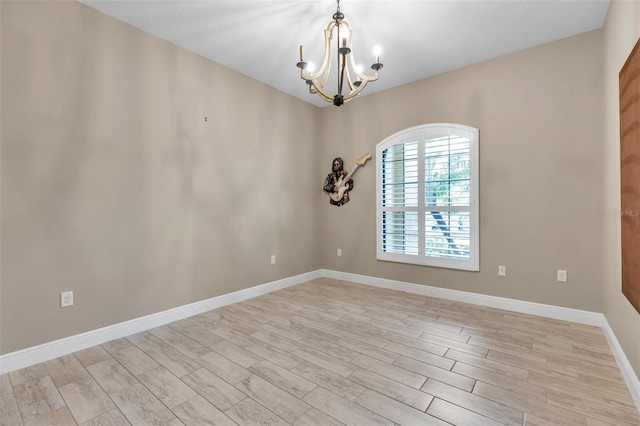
(420, 133)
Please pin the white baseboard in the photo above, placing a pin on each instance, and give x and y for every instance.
(547, 311)
(36, 354)
(623, 362)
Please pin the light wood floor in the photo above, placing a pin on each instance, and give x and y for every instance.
(329, 352)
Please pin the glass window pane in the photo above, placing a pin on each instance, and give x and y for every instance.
(441, 168)
(400, 232)
(447, 171)
(447, 234)
(400, 175)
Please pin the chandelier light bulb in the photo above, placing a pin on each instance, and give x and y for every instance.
(344, 32)
(376, 52)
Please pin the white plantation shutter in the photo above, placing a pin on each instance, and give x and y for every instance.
(400, 190)
(427, 185)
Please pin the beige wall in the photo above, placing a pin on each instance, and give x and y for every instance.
(539, 113)
(115, 187)
(621, 32)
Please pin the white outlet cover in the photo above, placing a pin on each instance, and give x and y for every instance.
(66, 299)
(502, 270)
(562, 275)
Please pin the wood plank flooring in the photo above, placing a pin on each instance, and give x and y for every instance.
(329, 352)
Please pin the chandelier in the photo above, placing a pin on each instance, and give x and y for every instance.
(338, 31)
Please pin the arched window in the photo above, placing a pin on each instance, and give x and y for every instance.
(427, 196)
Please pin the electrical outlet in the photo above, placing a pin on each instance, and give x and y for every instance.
(273, 259)
(562, 275)
(66, 299)
(339, 252)
(502, 271)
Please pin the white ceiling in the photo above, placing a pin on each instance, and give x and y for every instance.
(419, 39)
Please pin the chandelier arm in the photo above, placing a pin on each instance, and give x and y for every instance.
(349, 81)
(326, 62)
(324, 95)
(313, 79)
(363, 83)
(319, 86)
(362, 76)
(364, 79)
(325, 70)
